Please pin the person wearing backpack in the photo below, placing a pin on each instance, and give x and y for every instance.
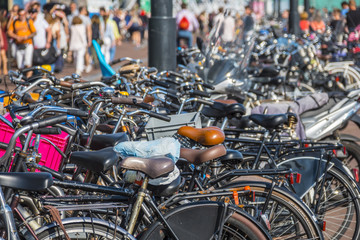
(186, 24)
(23, 30)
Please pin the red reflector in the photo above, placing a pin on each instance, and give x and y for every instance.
(344, 150)
(334, 151)
(306, 145)
(356, 174)
(337, 79)
(298, 178)
(291, 178)
(324, 226)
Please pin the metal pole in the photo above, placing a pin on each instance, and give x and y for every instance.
(162, 36)
(279, 9)
(294, 18)
(306, 5)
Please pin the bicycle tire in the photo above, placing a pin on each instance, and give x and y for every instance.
(344, 202)
(82, 228)
(353, 151)
(239, 225)
(290, 205)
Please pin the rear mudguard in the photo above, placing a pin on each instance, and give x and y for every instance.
(197, 220)
(308, 166)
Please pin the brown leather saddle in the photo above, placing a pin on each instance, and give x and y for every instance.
(199, 156)
(208, 136)
(153, 167)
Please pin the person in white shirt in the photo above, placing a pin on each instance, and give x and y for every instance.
(78, 43)
(42, 39)
(187, 24)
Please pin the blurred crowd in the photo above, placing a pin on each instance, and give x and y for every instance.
(226, 24)
(56, 33)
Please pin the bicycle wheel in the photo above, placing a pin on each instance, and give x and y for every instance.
(288, 217)
(339, 205)
(82, 228)
(353, 155)
(203, 220)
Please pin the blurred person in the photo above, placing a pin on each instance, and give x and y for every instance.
(228, 34)
(78, 43)
(83, 14)
(344, 9)
(74, 11)
(285, 20)
(352, 17)
(43, 38)
(62, 24)
(96, 34)
(145, 22)
(312, 12)
(4, 48)
(36, 6)
(304, 22)
(218, 22)
(135, 27)
(202, 22)
(117, 37)
(108, 38)
(325, 15)
(317, 24)
(23, 30)
(248, 23)
(187, 24)
(13, 16)
(337, 25)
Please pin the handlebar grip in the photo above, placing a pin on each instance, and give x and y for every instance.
(148, 99)
(107, 80)
(126, 71)
(160, 116)
(206, 102)
(171, 81)
(123, 100)
(28, 99)
(78, 113)
(32, 106)
(152, 70)
(208, 86)
(80, 85)
(175, 74)
(144, 106)
(19, 108)
(66, 84)
(66, 96)
(115, 61)
(199, 93)
(162, 84)
(49, 121)
(52, 131)
(172, 91)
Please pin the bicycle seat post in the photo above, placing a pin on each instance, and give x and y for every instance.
(137, 206)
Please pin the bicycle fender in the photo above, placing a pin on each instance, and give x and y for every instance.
(198, 220)
(348, 137)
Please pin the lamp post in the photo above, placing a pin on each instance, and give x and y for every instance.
(162, 36)
(294, 18)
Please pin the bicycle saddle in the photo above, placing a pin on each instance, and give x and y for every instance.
(220, 110)
(153, 167)
(97, 161)
(208, 136)
(104, 140)
(269, 122)
(197, 157)
(166, 189)
(232, 156)
(26, 181)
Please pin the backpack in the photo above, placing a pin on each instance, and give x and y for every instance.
(184, 23)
